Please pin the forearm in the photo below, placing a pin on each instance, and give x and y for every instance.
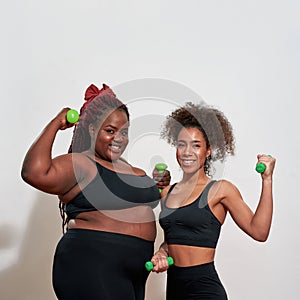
(163, 250)
(159, 260)
(262, 219)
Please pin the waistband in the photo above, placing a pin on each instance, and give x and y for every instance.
(91, 234)
(192, 271)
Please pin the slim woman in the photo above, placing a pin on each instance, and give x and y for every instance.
(194, 209)
(108, 203)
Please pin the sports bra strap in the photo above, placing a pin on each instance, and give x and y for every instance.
(203, 200)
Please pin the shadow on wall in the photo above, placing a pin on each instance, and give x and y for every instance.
(155, 288)
(30, 277)
(156, 283)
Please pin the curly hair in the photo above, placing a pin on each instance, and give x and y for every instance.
(213, 124)
(94, 110)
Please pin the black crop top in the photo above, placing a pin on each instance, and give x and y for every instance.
(113, 191)
(193, 224)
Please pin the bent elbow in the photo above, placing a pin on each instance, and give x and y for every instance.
(33, 173)
(30, 176)
(262, 237)
(27, 177)
(261, 240)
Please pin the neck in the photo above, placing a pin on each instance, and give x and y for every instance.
(194, 178)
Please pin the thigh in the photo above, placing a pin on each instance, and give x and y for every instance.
(197, 282)
(92, 265)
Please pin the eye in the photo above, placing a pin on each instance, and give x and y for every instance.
(124, 132)
(180, 145)
(110, 131)
(196, 146)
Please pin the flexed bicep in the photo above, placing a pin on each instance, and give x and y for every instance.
(58, 178)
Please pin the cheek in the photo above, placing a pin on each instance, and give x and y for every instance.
(103, 137)
(201, 154)
(126, 141)
(102, 142)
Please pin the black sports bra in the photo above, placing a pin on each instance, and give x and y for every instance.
(113, 191)
(193, 224)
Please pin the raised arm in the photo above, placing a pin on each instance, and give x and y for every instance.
(55, 176)
(257, 224)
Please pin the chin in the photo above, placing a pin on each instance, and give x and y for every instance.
(190, 170)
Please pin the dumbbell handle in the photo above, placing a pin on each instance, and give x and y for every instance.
(149, 265)
(161, 167)
(72, 116)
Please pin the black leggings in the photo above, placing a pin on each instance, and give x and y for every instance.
(197, 282)
(97, 265)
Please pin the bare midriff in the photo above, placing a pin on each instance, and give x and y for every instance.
(137, 221)
(185, 256)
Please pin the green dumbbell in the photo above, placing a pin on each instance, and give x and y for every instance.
(72, 116)
(261, 167)
(161, 167)
(149, 265)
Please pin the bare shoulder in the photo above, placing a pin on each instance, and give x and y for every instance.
(226, 192)
(75, 159)
(224, 188)
(139, 171)
(82, 159)
(78, 163)
(127, 166)
(223, 184)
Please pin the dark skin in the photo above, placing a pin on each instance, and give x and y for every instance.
(66, 175)
(162, 179)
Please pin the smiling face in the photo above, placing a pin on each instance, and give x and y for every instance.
(110, 140)
(192, 150)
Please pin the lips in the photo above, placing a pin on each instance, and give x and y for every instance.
(116, 148)
(187, 162)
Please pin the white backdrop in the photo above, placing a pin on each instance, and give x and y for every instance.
(240, 56)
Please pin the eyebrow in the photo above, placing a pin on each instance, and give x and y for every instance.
(114, 127)
(111, 126)
(193, 141)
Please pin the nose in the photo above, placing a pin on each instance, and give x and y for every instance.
(118, 137)
(187, 150)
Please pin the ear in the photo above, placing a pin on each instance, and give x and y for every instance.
(208, 153)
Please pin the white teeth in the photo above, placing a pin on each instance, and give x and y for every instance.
(187, 161)
(116, 147)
